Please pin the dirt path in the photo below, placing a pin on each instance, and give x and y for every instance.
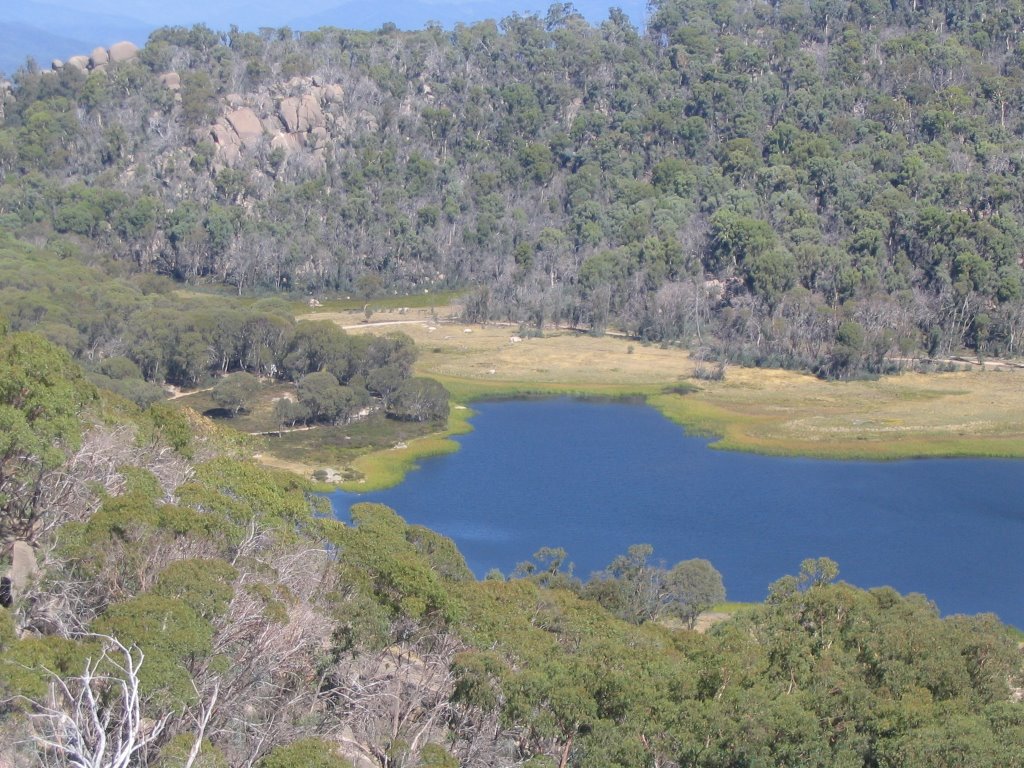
(708, 619)
(379, 323)
(284, 431)
(179, 393)
(986, 364)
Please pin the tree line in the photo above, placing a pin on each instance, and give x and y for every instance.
(136, 335)
(828, 185)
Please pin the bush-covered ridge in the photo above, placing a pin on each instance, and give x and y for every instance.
(214, 613)
(829, 185)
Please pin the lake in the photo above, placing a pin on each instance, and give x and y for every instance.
(596, 477)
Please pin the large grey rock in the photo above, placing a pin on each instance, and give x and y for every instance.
(57, 64)
(23, 567)
(301, 113)
(289, 142)
(99, 57)
(123, 51)
(80, 63)
(229, 145)
(246, 125)
(273, 124)
(332, 93)
(171, 81)
(321, 137)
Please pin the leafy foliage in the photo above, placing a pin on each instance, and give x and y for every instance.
(816, 185)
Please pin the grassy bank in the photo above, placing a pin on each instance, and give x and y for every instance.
(773, 412)
(383, 469)
(783, 413)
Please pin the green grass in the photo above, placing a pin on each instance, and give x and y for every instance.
(363, 450)
(384, 469)
(744, 432)
(337, 446)
(468, 390)
(257, 417)
(731, 607)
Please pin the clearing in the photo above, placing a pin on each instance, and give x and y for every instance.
(966, 413)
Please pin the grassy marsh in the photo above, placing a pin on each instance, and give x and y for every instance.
(967, 413)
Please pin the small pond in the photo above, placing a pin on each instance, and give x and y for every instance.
(596, 477)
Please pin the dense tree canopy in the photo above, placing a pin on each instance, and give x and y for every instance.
(753, 177)
(833, 185)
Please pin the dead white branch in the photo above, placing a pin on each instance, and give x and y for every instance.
(95, 720)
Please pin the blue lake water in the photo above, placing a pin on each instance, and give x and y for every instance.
(595, 478)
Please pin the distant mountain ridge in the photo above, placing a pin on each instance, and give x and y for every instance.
(20, 41)
(46, 31)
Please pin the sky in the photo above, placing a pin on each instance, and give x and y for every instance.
(47, 29)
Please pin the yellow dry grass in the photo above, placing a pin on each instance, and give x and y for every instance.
(974, 413)
(486, 355)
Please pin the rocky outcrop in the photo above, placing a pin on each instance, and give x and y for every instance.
(171, 81)
(301, 114)
(246, 125)
(229, 145)
(332, 93)
(320, 137)
(123, 51)
(288, 142)
(239, 129)
(98, 58)
(23, 569)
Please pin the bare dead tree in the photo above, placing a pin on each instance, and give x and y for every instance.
(95, 720)
(266, 696)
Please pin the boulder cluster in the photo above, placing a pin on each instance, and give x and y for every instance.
(100, 58)
(302, 113)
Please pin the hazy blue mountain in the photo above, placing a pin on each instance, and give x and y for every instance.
(60, 28)
(18, 41)
(49, 30)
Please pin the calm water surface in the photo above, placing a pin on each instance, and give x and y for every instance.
(595, 478)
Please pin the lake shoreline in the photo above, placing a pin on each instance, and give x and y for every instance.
(593, 478)
(387, 468)
(771, 412)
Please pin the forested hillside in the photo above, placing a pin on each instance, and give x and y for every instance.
(827, 185)
(830, 186)
(168, 604)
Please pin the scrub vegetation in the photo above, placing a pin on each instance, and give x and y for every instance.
(170, 603)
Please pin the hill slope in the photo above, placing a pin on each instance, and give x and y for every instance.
(830, 191)
(184, 602)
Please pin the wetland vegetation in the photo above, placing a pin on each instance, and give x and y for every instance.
(975, 411)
